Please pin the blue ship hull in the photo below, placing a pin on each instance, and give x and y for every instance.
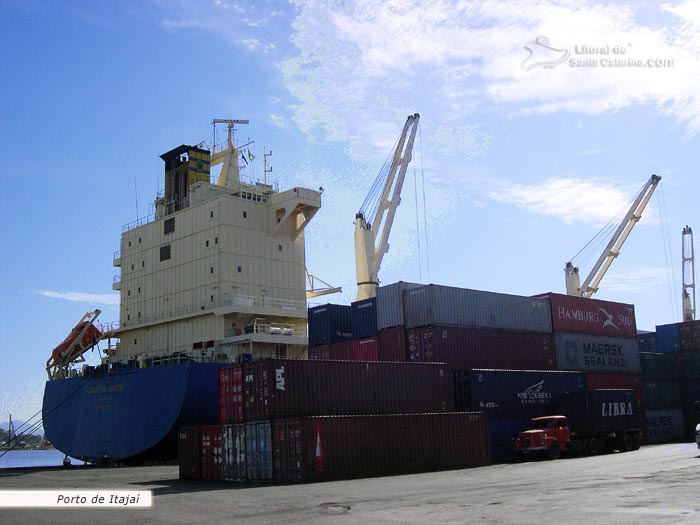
(132, 414)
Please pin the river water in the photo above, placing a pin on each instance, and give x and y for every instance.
(33, 458)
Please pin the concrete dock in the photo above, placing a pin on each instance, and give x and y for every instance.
(657, 484)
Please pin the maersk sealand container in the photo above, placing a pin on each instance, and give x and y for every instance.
(448, 306)
(597, 353)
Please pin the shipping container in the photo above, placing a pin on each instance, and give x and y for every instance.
(365, 349)
(329, 323)
(646, 341)
(596, 353)
(448, 306)
(364, 318)
(668, 338)
(661, 395)
(258, 451)
(515, 394)
(391, 344)
(234, 444)
(464, 348)
(691, 365)
(607, 380)
(665, 426)
(276, 388)
(390, 304)
(343, 447)
(188, 455)
(660, 367)
(596, 411)
(591, 316)
(689, 335)
(211, 449)
(502, 432)
(335, 352)
(231, 394)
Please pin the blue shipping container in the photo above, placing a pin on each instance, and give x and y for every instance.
(515, 394)
(364, 318)
(646, 341)
(329, 323)
(502, 432)
(665, 426)
(668, 338)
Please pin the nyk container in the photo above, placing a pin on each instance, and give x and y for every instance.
(258, 451)
(464, 348)
(342, 447)
(646, 341)
(364, 318)
(365, 349)
(391, 344)
(230, 394)
(445, 305)
(660, 367)
(515, 394)
(665, 426)
(334, 352)
(188, 454)
(689, 335)
(211, 449)
(668, 338)
(691, 365)
(596, 353)
(390, 304)
(329, 323)
(591, 316)
(234, 444)
(662, 395)
(276, 388)
(596, 411)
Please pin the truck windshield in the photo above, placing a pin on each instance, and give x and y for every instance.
(543, 423)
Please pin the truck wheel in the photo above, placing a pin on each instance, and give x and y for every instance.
(627, 442)
(554, 451)
(594, 446)
(636, 442)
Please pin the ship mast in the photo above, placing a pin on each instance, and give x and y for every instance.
(227, 157)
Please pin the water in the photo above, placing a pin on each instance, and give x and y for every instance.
(33, 458)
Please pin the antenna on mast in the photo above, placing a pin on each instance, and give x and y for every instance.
(265, 168)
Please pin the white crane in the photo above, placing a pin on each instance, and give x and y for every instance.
(612, 250)
(373, 221)
(688, 254)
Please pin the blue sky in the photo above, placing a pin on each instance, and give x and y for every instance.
(519, 162)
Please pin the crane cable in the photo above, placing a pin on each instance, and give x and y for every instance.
(370, 205)
(425, 209)
(668, 253)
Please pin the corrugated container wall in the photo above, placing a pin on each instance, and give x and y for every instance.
(188, 455)
(665, 426)
(668, 339)
(662, 395)
(601, 410)
(596, 353)
(211, 448)
(691, 365)
(364, 318)
(390, 304)
(276, 388)
(501, 435)
(234, 444)
(258, 451)
(660, 367)
(647, 342)
(391, 344)
(514, 394)
(444, 305)
(689, 335)
(329, 323)
(606, 380)
(334, 352)
(342, 447)
(464, 348)
(231, 394)
(365, 349)
(591, 316)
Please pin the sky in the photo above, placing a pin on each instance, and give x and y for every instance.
(538, 126)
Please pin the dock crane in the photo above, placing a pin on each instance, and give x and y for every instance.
(612, 250)
(374, 219)
(688, 258)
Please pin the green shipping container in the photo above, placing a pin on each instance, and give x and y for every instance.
(661, 395)
(660, 367)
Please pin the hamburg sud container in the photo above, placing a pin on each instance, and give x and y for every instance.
(258, 451)
(665, 426)
(448, 306)
(514, 394)
(668, 338)
(287, 387)
(188, 455)
(660, 367)
(391, 344)
(364, 318)
(234, 444)
(596, 353)
(329, 323)
(342, 447)
(464, 348)
(591, 316)
(390, 304)
(600, 410)
(211, 450)
(231, 394)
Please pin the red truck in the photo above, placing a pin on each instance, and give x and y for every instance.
(592, 422)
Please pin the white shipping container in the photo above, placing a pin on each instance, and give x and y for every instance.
(234, 446)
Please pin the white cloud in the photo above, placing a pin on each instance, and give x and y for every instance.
(105, 299)
(277, 120)
(637, 280)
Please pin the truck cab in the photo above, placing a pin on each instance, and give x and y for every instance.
(549, 435)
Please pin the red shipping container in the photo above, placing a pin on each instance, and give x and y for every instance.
(211, 450)
(603, 381)
(342, 447)
(391, 344)
(231, 394)
(289, 388)
(365, 349)
(335, 352)
(464, 348)
(591, 316)
(188, 456)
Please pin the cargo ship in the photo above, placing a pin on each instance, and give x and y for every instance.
(214, 275)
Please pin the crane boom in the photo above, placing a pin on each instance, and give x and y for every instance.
(612, 250)
(688, 258)
(377, 226)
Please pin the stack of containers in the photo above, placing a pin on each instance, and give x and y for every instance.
(365, 345)
(600, 339)
(392, 338)
(291, 420)
(661, 380)
(330, 332)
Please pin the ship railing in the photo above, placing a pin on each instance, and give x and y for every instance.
(261, 326)
(138, 222)
(266, 301)
(117, 279)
